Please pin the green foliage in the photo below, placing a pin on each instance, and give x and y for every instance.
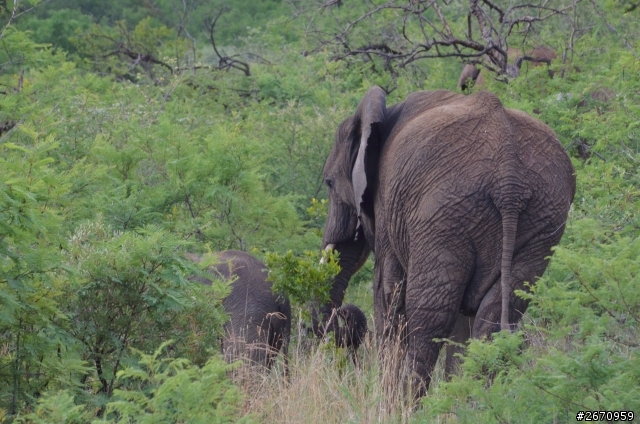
(116, 158)
(167, 390)
(31, 271)
(57, 408)
(108, 12)
(58, 28)
(126, 52)
(243, 15)
(318, 212)
(129, 291)
(303, 278)
(163, 390)
(19, 51)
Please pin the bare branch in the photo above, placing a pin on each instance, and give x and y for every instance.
(131, 50)
(224, 62)
(484, 40)
(496, 8)
(16, 13)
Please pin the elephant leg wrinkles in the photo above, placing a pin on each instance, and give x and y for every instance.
(435, 286)
(391, 288)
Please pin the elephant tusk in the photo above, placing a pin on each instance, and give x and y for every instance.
(329, 247)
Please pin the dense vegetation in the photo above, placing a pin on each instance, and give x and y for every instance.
(134, 131)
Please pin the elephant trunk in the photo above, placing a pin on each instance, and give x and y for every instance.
(352, 256)
(341, 225)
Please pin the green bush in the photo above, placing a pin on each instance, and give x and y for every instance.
(166, 390)
(130, 290)
(162, 390)
(112, 166)
(303, 278)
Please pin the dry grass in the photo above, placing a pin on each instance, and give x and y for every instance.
(324, 386)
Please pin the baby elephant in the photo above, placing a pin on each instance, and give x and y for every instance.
(352, 333)
(259, 321)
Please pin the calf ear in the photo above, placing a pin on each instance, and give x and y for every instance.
(369, 118)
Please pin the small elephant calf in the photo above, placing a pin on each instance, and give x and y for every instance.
(352, 334)
(259, 321)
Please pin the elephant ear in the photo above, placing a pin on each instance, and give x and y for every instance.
(369, 118)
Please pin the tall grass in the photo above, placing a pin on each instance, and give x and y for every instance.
(324, 385)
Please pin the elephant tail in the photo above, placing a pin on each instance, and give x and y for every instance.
(509, 228)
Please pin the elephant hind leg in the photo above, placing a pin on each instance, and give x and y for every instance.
(459, 336)
(528, 264)
(435, 286)
(278, 340)
(389, 299)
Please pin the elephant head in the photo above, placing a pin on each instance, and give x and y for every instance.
(352, 333)
(348, 175)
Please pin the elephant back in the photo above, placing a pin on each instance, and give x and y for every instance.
(259, 321)
(251, 297)
(470, 150)
(450, 143)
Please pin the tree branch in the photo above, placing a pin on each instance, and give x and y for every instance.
(400, 42)
(224, 62)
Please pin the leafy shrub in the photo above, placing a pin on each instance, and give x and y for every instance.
(57, 408)
(130, 290)
(58, 28)
(31, 273)
(166, 390)
(162, 390)
(303, 278)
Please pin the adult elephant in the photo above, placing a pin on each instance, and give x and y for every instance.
(461, 201)
(259, 321)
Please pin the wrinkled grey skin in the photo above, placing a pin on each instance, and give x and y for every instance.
(461, 201)
(259, 321)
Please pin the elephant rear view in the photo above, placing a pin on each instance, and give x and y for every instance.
(460, 199)
(259, 321)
